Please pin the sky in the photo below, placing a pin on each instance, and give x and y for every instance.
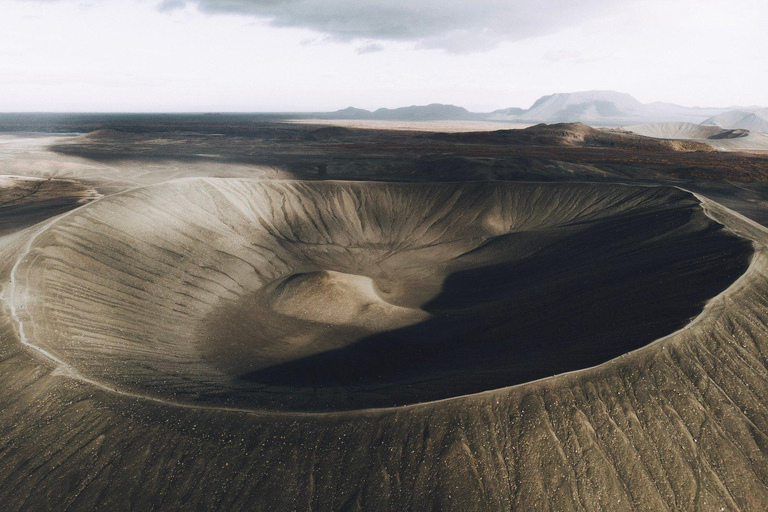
(321, 55)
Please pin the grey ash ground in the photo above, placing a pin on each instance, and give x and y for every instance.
(233, 313)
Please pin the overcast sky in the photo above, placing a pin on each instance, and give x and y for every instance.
(312, 55)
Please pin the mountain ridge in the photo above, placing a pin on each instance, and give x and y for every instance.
(594, 107)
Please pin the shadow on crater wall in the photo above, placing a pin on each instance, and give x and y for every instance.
(590, 293)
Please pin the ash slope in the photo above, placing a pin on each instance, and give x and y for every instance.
(722, 139)
(678, 425)
(754, 120)
(26, 201)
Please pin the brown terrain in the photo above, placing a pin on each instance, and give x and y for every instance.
(239, 314)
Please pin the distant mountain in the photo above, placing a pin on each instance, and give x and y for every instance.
(596, 108)
(755, 121)
(610, 108)
(591, 107)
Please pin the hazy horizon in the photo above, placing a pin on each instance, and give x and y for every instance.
(309, 56)
(318, 111)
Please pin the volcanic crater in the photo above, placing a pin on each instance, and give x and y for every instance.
(332, 296)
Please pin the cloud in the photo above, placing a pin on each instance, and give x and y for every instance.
(171, 5)
(456, 26)
(369, 48)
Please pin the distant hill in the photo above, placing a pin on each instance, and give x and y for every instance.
(755, 121)
(670, 113)
(350, 113)
(432, 112)
(504, 113)
(575, 134)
